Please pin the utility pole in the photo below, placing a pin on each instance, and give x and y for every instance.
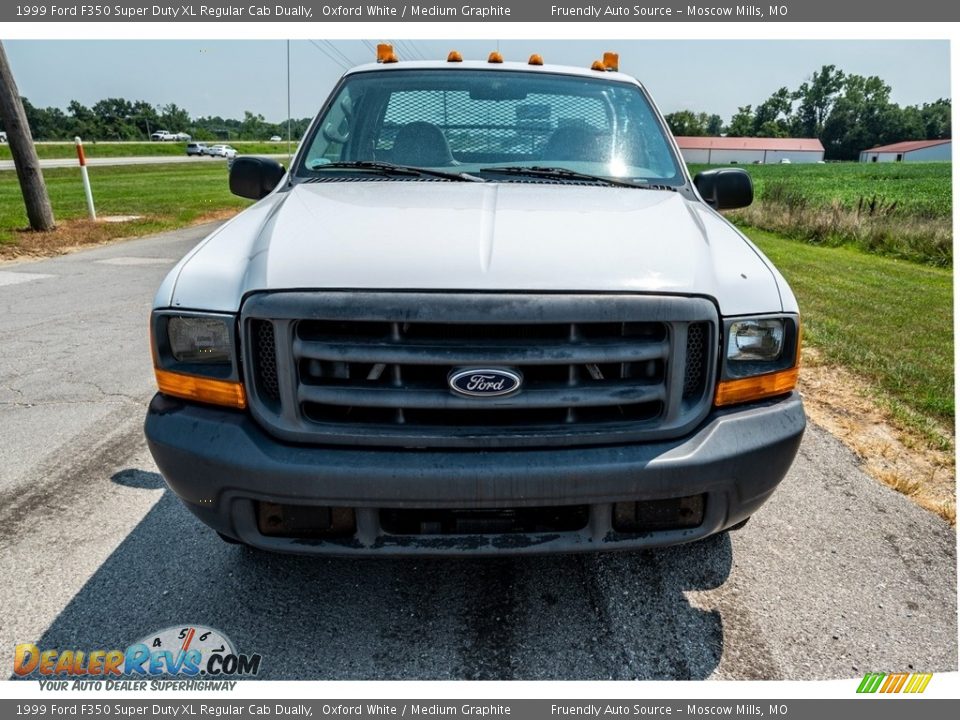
(34, 190)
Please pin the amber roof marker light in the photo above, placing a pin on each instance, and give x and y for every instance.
(454, 56)
(535, 59)
(495, 58)
(385, 53)
(611, 61)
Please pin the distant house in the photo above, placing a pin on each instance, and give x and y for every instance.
(909, 150)
(747, 150)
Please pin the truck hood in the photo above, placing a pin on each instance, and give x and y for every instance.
(475, 236)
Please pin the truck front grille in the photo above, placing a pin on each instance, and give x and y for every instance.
(372, 368)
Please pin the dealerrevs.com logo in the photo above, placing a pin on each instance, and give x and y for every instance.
(199, 657)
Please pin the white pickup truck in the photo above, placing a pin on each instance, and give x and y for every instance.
(485, 311)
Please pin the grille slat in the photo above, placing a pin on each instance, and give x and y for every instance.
(499, 352)
(614, 394)
(372, 368)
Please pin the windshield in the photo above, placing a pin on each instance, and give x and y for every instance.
(476, 122)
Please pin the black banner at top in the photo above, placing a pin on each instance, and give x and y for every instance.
(480, 11)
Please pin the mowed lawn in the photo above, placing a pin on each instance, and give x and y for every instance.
(167, 196)
(60, 150)
(890, 321)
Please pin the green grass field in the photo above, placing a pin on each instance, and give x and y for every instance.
(889, 321)
(56, 151)
(167, 196)
(900, 210)
(917, 189)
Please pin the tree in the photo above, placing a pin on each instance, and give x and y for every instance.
(772, 117)
(173, 118)
(862, 117)
(685, 123)
(935, 117)
(32, 186)
(83, 121)
(714, 125)
(741, 124)
(817, 97)
(253, 126)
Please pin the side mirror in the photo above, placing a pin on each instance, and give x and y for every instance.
(255, 177)
(725, 189)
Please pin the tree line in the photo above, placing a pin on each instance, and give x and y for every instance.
(121, 119)
(847, 113)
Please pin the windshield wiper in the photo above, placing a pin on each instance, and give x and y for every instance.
(385, 168)
(566, 174)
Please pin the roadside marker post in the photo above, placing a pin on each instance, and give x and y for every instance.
(86, 178)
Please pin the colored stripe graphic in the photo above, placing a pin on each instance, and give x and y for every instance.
(912, 683)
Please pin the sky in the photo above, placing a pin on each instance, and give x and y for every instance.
(227, 77)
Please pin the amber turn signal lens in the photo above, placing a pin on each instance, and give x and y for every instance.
(731, 392)
(201, 389)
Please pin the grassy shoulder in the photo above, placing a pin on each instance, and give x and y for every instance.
(64, 150)
(163, 196)
(888, 321)
(900, 210)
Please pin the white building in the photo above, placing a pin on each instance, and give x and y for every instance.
(748, 150)
(910, 150)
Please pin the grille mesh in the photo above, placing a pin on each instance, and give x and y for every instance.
(265, 357)
(696, 371)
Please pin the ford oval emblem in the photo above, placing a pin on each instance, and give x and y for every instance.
(484, 382)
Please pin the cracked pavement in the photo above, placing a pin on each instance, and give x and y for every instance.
(835, 576)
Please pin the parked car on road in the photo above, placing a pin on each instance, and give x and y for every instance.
(196, 148)
(427, 337)
(162, 136)
(221, 151)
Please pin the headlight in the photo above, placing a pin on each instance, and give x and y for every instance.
(194, 357)
(199, 339)
(761, 358)
(755, 340)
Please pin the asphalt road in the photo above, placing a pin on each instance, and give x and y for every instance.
(835, 577)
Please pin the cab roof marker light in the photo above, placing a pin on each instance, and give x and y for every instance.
(454, 56)
(385, 53)
(495, 58)
(611, 61)
(535, 59)
(598, 66)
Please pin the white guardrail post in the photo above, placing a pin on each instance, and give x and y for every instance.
(86, 178)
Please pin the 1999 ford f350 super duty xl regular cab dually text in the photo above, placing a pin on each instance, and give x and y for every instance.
(485, 311)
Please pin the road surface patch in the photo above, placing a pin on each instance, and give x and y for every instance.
(16, 278)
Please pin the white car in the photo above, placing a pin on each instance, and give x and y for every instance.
(275, 138)
(221, 151)
(486, 311)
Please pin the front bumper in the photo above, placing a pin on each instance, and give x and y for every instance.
(221, 463)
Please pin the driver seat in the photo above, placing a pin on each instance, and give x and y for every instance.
(421, 143)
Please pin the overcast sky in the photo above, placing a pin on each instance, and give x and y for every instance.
(226, 77)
